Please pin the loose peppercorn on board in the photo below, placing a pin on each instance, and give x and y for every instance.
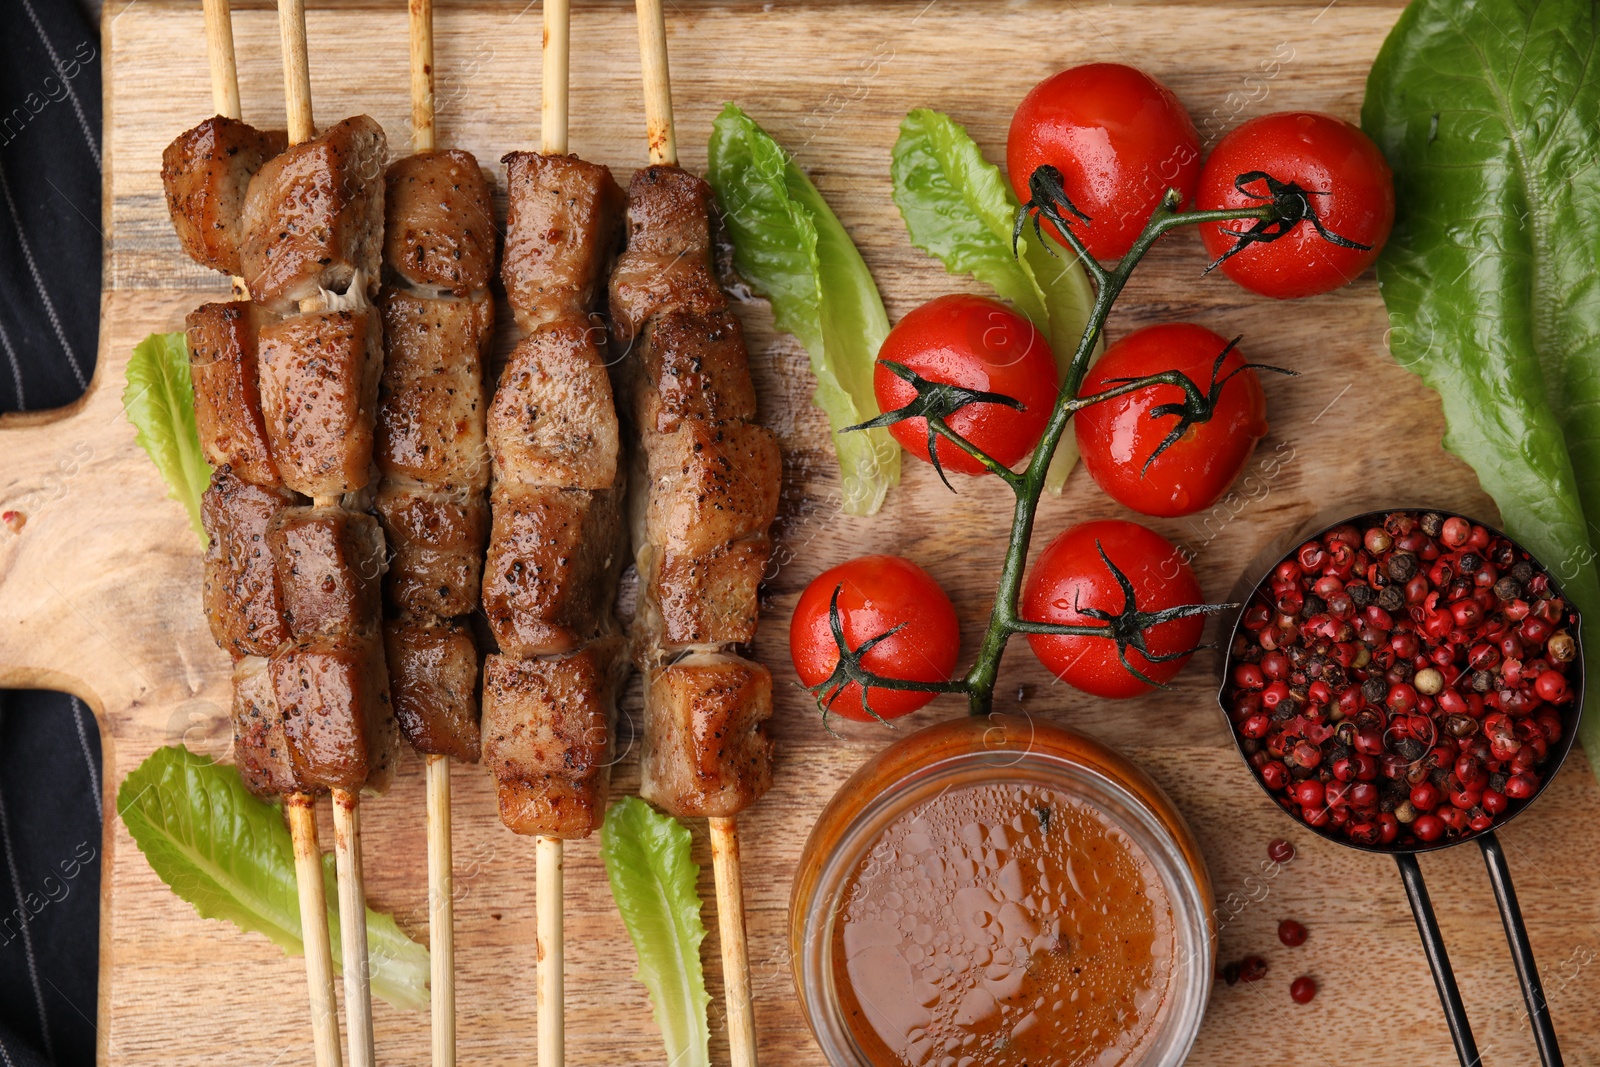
(100, 573)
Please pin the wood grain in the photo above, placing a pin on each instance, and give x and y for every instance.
(99, 593)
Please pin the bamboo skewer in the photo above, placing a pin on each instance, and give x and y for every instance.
(657, 83)
(224, 83)
(724, 831)
(353, 928)
(296, 70)
(441, 913)
(441, 874)
(549, 852)
(299, 806)
(422, 75)
(729, 873)
(314, 927)
(549, 858)
(346, 805)
(219, 50)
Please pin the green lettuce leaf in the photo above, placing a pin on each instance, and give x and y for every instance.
(230, 855)
(159, 401)
(959, 208)
(1489, 112)
(653, 881)
(792, 250)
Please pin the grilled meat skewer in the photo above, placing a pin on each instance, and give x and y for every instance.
(709, 492)
(438, 320)
(555, 549)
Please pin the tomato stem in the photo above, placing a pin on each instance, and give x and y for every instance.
(936, 402)
(1109, 282)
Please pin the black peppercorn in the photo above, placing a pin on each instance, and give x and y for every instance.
(1507, 589)
(1523, 572)
(1392, 599)
(1313, 605)
(1374, 690)
(1411, 748)
(1432, 523)
(1360, 594)
(1470, 563)
(1402, 565)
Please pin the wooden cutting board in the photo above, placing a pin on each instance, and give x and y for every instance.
(99, 591)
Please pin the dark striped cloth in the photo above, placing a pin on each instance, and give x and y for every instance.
(50, 788)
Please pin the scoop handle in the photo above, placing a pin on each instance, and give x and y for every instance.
(1444, 979)
(1505, 895)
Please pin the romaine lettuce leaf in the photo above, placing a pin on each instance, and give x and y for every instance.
(958, 207)
(1489, 113)
(792, 250)
(159, 401)
(653, 881)
(230, 855)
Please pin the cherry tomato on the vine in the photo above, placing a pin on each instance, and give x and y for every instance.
(1119, 138)
(978, 344)
(1070, 578)
(876, 594)
(1118, 437)
(1328, 168)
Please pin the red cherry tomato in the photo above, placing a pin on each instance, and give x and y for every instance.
(1348, 185)
(978, 344)
(1117, 437)
(1069, 576)
(1119, 138)
(876, 594)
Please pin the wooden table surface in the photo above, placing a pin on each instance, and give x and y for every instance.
(99, 592)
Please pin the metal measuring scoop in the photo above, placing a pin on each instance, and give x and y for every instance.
(1250, 588)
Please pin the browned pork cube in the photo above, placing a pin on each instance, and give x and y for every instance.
(706, 749)
(205, 173)
(436, 543)
(667, 263)
(227, 403)
(693, 367)
(330, 567)
(313, 218)
(334, 695)
(705, 599)
(552, 421)
(554, 555)
(553, 806)
(547, 738)
(431, 403)
(260, 750)
(711, 484)
(319, 393)
(433, 681)
(562, 226)
(244, 603)
(439, 233)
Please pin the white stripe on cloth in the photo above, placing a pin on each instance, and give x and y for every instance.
(61, 71)
(80, 713)
(16, 367)
(27, 932)
(38, 282)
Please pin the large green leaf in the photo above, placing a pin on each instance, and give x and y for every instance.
(1489, 111)
(159, 401)
(958, 207)
(793, 250)
(653, 881)
(231, 856)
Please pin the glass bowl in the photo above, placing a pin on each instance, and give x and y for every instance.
(985, 751)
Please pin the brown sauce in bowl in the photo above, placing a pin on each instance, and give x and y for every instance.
(1003, 925)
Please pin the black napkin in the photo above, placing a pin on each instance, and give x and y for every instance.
(50, 788)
